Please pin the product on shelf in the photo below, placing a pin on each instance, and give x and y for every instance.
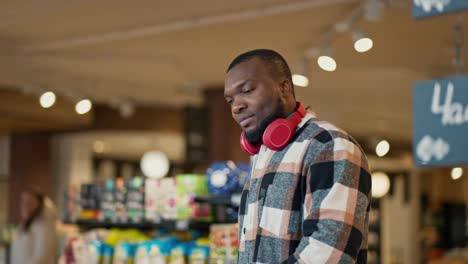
(193, 252)
(224, 243)
(108, 202)
(152, 200)
(135, 201)
(79, 251)
(186, 235)
(69, 252)
(120, 196)
(116, 236)
(180, 254)
(161, 249)
(119, 246)
(188, 187)
(225, 178)
(141, 200)
(142, 255)
(222, 178)
(155, 251)
(72, 204)
(108, 254)
(124, 253)
(200, 253)
(160, 199)
(90, 201)
(99, 253)
(96, 250)
(169, 208)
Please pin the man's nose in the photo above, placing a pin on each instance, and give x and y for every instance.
(238, 107)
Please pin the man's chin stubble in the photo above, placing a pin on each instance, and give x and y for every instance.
(254, 136)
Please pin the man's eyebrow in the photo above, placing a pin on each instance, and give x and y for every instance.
(238, 85)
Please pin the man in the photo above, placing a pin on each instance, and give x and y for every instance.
(308, 197)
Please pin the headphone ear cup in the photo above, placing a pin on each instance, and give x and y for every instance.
(247, 146)
(278, 134)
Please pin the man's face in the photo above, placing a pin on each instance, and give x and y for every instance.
(28, 204)
(254, 96)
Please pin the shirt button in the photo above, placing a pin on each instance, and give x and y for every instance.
(244, 230)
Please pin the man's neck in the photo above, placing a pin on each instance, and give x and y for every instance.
(290, 109)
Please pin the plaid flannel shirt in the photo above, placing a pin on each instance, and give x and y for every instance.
(308, 203)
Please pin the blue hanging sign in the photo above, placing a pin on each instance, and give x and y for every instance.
(428, 8)
(441, 122)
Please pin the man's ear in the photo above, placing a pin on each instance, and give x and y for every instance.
(286, 88)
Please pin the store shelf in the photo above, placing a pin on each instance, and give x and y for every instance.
(180, 225)
(229, 200)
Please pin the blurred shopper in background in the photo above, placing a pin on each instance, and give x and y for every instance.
(35, 239)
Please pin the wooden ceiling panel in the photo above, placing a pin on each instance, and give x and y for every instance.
(20, 112)
(157, 52)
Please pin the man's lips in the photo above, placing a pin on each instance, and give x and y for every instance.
(244, 121)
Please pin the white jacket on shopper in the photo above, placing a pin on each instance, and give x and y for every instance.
(39, 244)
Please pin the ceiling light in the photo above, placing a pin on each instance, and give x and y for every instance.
(326, 61)
(380, 184)
(127, 109)
(362, 43)
(99, 146)
(47, 99)
(300, 77)
(300, 80)
(382, 148)
(83, 106)
(456, 173)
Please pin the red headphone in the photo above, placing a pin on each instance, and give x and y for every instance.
(277, 134)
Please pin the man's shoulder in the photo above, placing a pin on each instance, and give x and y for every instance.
(328, 140)
(322, 132)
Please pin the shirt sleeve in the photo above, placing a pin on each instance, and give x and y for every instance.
(336, 205)
(44, 242)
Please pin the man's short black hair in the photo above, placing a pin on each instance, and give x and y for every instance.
(278, 65)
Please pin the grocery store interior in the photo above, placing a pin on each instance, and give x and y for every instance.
(115, 111)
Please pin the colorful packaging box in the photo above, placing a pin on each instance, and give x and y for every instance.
(156, 251)
(180, 254)
(96, 249)
(108, 202)
(135, 201)
(188, 187)
(224, 243)
(124, 253)
(160, 199)
(199, 255)
(90, 201)
(108, 254)
(151, 201)
(120, 197)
